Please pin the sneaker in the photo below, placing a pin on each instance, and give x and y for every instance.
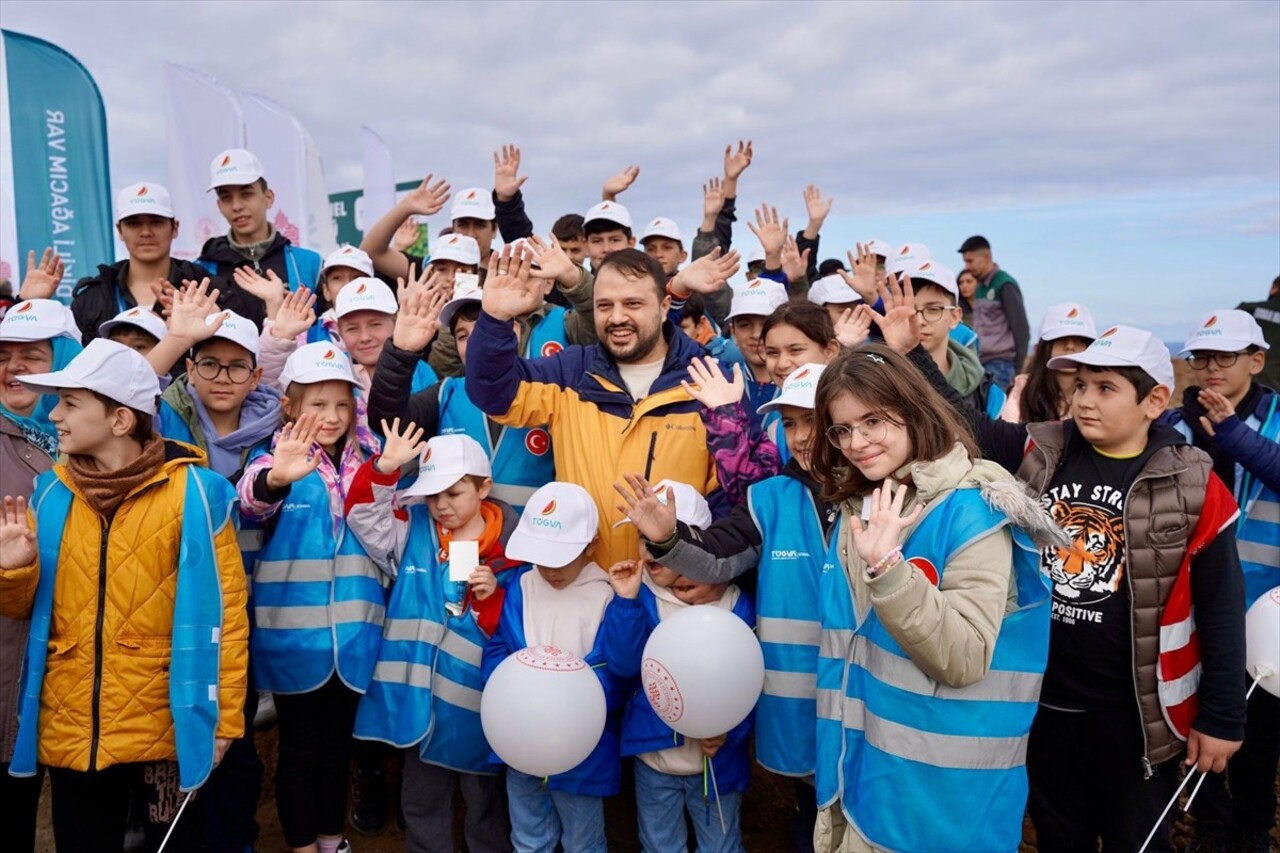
(265, 717)
(369, 801)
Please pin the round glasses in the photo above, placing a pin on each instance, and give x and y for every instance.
(933, 313)
(209, 369)
(873, 431)
(1200, 360)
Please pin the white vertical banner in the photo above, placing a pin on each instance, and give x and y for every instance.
(202, 117)
(12, 267)
(322, 229)
(279, 141)
(379, 180)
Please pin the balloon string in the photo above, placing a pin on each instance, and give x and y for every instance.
(711, 768)
(1160, 819)
(174, 824)
(1196, 789)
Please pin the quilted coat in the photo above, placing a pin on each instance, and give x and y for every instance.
(105, 696)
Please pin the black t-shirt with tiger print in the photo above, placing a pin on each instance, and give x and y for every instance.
(1090, 647)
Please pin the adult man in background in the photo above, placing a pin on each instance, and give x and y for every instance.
(999, 314)
(1267, 314)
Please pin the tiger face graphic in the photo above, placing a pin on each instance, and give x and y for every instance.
(1093, 567)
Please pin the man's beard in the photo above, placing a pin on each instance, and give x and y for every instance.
(638, 350)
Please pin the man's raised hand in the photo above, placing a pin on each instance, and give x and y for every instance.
(619, 183)
(509, 289)
(707, 274)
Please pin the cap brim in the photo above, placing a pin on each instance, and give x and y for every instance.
(779, 402)
(431, 484)
(51, 383)
(453, 306)
(1219, 345)
(1099, 359)
(110, 325)
(236, 183)
(1058, 334)
(542, 552)
(10, 337)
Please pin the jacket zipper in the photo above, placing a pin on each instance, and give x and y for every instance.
(97, 645)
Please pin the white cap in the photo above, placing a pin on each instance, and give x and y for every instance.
(141, 318)
(832, 290)
(239, 330)
(462, 296)
(906, 255)
(364, 294)
(144, 199)
(473, 203)
(557, 525)
(1067, 320)
(318, 362)
(38, 320)
(662, 227)
(458, 248)
(112, 369)
(757, 299)
(350, 257)
(691, 506)
(755, 255)
(931, 271)
(1123, 346)
(234, 167)
(446, 460)
(879, 247)
(798, 389)
(1227, 330)
(609, 211)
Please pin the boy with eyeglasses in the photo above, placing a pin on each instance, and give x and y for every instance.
(1237, 422)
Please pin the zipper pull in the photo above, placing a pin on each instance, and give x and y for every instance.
(1147, 771)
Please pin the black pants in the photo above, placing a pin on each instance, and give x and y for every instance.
(230, 797)
(427, 799)
(1251, 773)
(91, 809)
(315, 755)
(1087, 783)
(806, 816)
(19, 803)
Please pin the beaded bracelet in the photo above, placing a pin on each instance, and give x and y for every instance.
(885, 562)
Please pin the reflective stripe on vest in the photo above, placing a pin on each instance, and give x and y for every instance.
(787, 620)
(1258, 531)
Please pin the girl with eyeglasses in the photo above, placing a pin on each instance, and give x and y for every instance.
(935, 620)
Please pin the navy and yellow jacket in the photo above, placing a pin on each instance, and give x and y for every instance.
(597, 430)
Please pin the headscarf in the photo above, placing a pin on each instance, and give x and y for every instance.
(36, 427)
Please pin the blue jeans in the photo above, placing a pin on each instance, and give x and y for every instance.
(661, 800)
(1002, 370)
(541, 817)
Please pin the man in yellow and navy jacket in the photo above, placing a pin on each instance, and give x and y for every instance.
(612, 407)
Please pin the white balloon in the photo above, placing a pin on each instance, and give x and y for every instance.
(702, 671)
(1262, 640)
(543, 710)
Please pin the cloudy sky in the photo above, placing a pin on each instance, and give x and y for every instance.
(1123, 154)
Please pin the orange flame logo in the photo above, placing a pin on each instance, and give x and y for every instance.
(346, 251)
(1213, 321)
(801, 375)
(361, 289)
(757, 283)
(26, 306)
(1109, 332)
(927, 265)
(470, 195)
(453, 240)
(549, 508)
(134, 312)
(142, 191)
(328, 355)
(1073, 313)
(226, 161)
(427, 455)
(906, 250)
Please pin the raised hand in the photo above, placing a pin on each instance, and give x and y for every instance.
(625, 578)
(164, 292)
(710, 387)
(418, 320)
(270, 289)
(619, 183)
(17, 539)
(406, 235)
(295, 454)
(400, 446)
(653, 516)
(188, 318)
(736, 162)
(1217, 407)
(506, 171)
(818, 208)
(863, 278)
(296, 314)
(552, 261)
(854, 325)
(41, 280)
(707, 274)
(899, 324)
(771, 232)
(712, 202)
(429, 280)
(1011, 411)
(483, 582)
(883, 530)
(795, 263)
(428, 198)
(509, 291)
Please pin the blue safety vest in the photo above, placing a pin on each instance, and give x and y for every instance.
(521, 457)
(195, 651)
(792, 551)
(318, 599)
(548, 336)
(301, 266)
(427, 681)
(958, 754)
(771, 423)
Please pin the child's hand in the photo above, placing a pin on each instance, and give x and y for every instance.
(399, 447)
(771, 231)
(164, 292)
(270, 289)
(41, 281)
(483, 582)
(625, 578)
(655, 520)
(1011, 411)
(1217, 407)
(428, 198)
(418, 320)
(863, 277)
(708, 274)
(709, 387)
(506, 171)
(406, 235)
(295, 315)
(853, 326)
(735, 163)
(1209, 754)
(220, 747)
(711, 745)
(712, 201)
(191, 305)
(295, 455)
(17, 539)
(899, 324)
(552, 261)
(795, 264)
(619, 183)
(883, 531)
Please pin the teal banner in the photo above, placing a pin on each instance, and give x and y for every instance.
(61, 181)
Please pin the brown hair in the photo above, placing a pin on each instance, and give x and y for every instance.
(142, 431)
(892, 386)
(295, 392)
(811, 320)
(637, 265)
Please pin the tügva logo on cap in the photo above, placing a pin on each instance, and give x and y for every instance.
(541, 519)
(22, 314)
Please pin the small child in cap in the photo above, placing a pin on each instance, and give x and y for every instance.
(672, 771)
(411, 534)
(137, 328)
(561, 602)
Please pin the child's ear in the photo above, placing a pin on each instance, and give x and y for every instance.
(1257, 361)
(191, 366)
(122, 421)
(485, 488)
(1156, 402)
(590, 550)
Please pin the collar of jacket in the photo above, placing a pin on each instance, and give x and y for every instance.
(220, 249)
(604, 381)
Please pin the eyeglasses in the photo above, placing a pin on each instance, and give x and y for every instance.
(933, 313)
(210, 368)
(873, 430)
(1200, 360)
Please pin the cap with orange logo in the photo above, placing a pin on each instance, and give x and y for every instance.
(1123, 346)
(234, 167)
(314, 363)
(473, 203)
(446, 460)
(558, 523)
(458, 248)
(609, 211)
(349, 257)
(145, 199)
(364, 294)
(138, 318)
(1225, 330)
(38, 320)
(1067, 320)
(799, 389)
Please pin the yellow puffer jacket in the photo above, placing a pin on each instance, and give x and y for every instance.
(105, 698)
